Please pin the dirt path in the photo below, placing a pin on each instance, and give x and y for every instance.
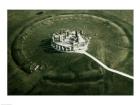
(104, 66)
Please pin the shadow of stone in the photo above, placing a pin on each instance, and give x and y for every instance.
(46, 46)
(39, 13)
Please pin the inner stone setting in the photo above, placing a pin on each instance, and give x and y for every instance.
(70, 41)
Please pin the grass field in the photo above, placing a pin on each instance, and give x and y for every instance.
(29, 34)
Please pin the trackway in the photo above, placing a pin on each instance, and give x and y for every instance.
(104, 66)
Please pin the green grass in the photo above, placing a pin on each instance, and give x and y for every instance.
(62, 73)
